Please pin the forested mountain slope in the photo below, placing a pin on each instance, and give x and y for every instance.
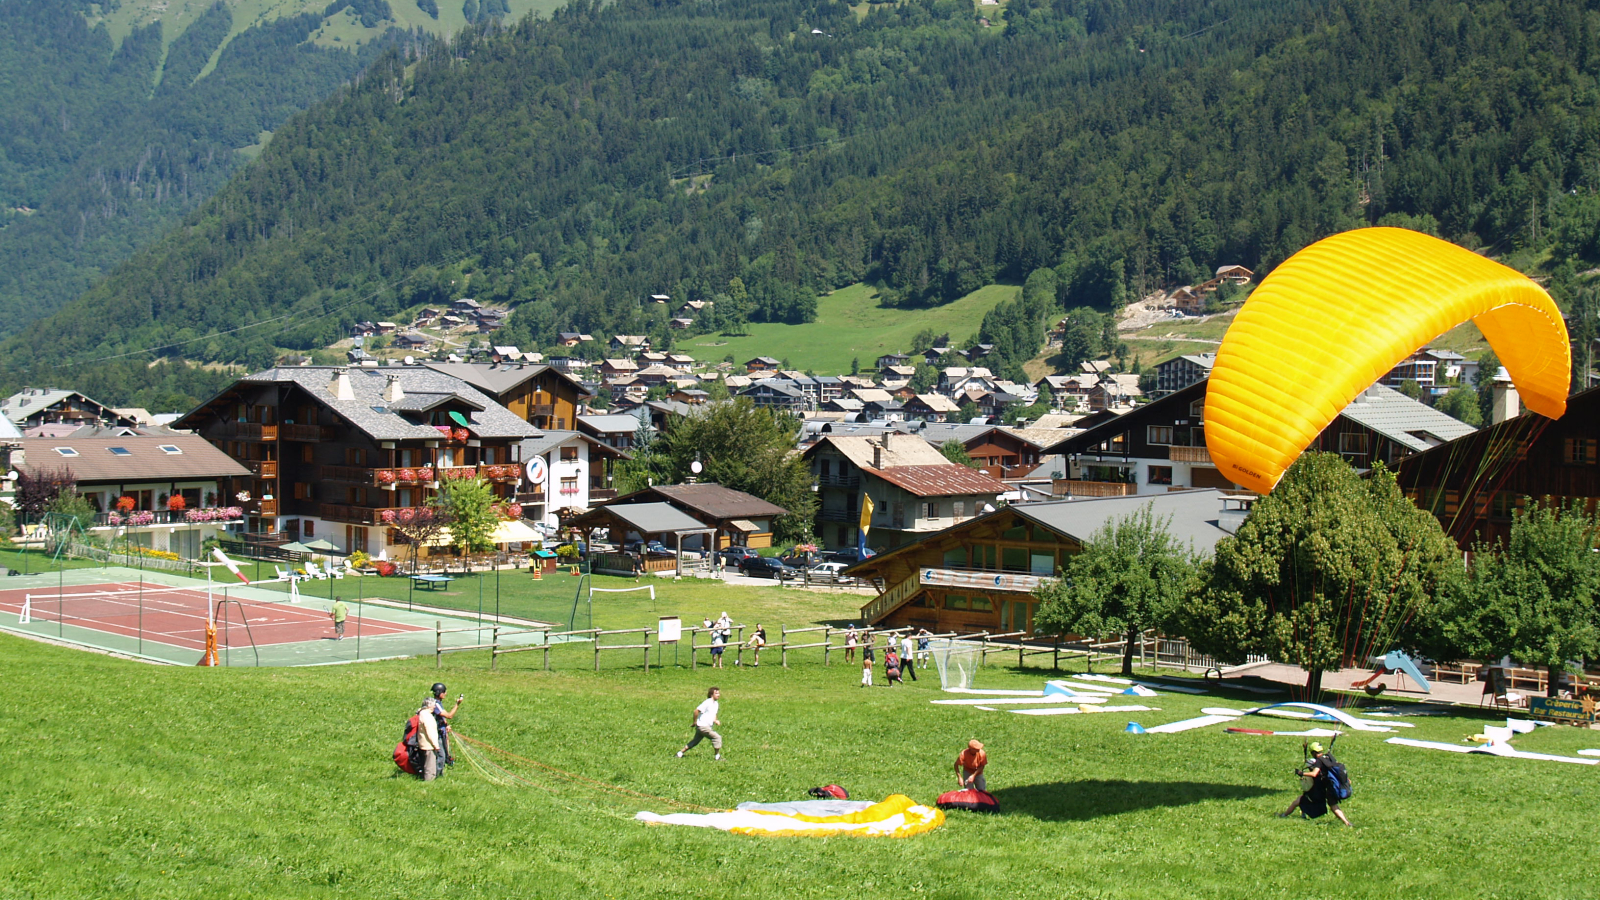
(117, 118)
(560, 165)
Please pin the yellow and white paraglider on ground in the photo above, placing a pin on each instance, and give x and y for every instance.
(895, 816)
(1338, 315)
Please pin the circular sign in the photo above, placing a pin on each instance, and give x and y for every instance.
(535, 470)
(695, 467)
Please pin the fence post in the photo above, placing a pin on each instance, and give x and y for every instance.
(783, 631)
(438, 644)
(596, 637)
(494, 649)
(694, 660)
(547, 649)
(738, 655)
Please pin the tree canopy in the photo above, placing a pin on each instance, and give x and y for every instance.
(1328, 570)
(1131, 575)
(1532, 599)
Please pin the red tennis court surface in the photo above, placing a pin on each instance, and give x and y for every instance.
(177, 616)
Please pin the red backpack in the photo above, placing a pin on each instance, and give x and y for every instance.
(406, 754)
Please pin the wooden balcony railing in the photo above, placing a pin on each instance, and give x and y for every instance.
(250, 431)
(308, 433)
(506, 472)
(262, 468)
(360, 515)
(541, 409)
(1189, 454)
(1065, 487)
(380, 477)
(596, 495)
(263, 508)
(530, 497)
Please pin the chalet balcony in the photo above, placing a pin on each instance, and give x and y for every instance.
(1065, 487)
(852, 481)
(447, 473)
(359, 515)
(1189, 455)
(506, 473)
(530, 497)
(541, 409)
(261, 468)
(598, 495)
(378, 477)
(249, 431)
(263, 508)
(839, 515)
(308, 433)
(168, 517)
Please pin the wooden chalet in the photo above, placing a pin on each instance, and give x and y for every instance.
(738, 519)
(981, 574)
(543, 396)
(1476, 483)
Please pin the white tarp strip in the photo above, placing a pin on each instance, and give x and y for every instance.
(1165, 686)
(1070, 711)
(1106, 678)
(1187, 724)
(994, 693)
(1346, 718)
(1018, 701)
(1491, 750)
(1313, 732)
(1224, 711)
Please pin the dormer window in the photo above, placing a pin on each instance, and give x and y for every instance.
(65, 451)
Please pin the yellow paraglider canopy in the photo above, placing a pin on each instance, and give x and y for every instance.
(1338, 315)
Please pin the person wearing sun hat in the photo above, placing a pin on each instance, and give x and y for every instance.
(970, 765)
(1315, 799)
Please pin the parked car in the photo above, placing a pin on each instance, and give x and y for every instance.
(765, 567)
(732, 555)
(850, 555)
(826, 570)
(800, 560)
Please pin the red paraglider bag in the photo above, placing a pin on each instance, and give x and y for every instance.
(970, 799)
(406, 752)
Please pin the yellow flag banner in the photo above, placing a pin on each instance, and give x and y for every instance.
(866, 515)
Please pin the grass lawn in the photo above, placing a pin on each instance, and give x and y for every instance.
(143, 781)
(850, 325)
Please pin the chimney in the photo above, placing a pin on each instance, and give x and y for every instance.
(1507, 405)
(877, 451)
(339, 387)
(392, 390)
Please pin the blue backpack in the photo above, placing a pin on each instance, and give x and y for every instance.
(1338, 779)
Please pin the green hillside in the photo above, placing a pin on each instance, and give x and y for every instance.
(118, 118)
(851, 325)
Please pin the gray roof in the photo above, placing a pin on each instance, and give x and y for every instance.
(652, 518)
(496, 378)
(1193, 515)
(544, 443)
(369, 412)
(937, 434)
(611, 424)
(21, 405)
(9, 429)
(1404, 420)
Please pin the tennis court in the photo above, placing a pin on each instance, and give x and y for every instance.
(162, 617)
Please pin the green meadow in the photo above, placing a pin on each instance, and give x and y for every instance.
(850, 325)
(131, 780)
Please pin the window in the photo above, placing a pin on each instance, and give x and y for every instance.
(569, 485)
(569, 454)
(1160, 475)
(1158, 434)
(930, 510)
(1198, 409)
(1353, 444)
(65, 451)
(120, 451)
(309, 528)
(1579, 451)
(355, 538)
(171, 449)
(958, 509)
(1197, 436)
(307, 453)
(822, 468)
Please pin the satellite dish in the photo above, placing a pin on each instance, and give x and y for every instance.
(410, 361)
(696, 468)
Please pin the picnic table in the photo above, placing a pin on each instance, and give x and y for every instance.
(432, 582)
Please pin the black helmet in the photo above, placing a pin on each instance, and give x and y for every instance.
(439, 689)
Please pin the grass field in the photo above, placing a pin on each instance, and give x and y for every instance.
(850, 325)
(134, 780)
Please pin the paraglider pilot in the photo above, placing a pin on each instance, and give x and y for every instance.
(970, 765)
(1315, 798)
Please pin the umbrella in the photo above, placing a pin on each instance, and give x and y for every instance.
(320, 545)
(296, 547)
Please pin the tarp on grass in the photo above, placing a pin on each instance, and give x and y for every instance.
(896, 816)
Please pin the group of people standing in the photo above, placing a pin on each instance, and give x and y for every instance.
(900, 654)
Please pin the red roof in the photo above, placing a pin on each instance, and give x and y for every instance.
(941, 481)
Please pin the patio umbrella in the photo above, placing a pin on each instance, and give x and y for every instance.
(296, 547)
(320, 545)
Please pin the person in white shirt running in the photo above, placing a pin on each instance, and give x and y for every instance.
(705, 719)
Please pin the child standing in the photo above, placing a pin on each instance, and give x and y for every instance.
(866, 673)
